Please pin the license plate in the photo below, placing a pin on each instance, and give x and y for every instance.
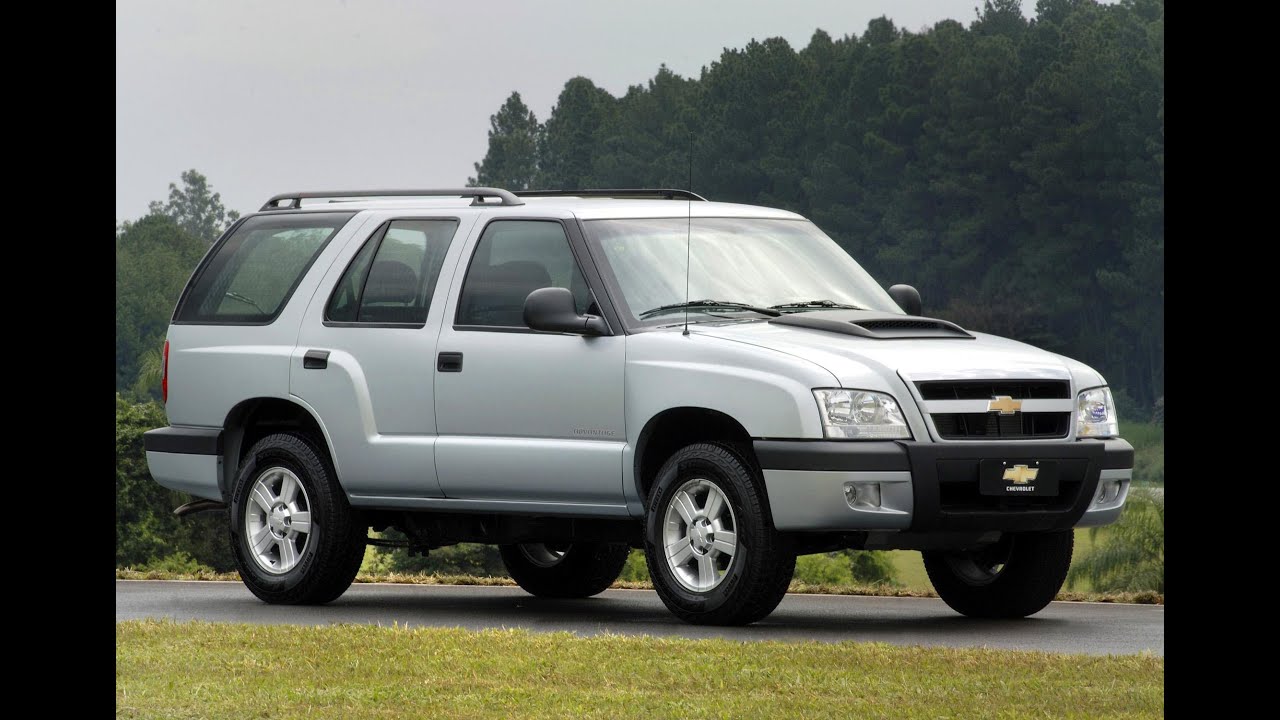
(1018, 478)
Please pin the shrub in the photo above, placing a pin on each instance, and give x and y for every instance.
(636, 569)
(846, 567)
(872, 567)
(824, 569)
(146, 528)
(460, 559)
(1130, 556)
(179, 563)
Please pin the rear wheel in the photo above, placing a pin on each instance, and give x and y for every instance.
(564, 570)
(1013, 578)
(713, 554)
(295, 538)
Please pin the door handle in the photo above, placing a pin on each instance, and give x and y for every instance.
(449, 362)
(315, 360)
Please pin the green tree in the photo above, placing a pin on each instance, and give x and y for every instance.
(568, 147)
(154, 258)
(511, 161)
(195, 209)
(1012, 169)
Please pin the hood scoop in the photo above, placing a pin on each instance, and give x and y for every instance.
(874, 325)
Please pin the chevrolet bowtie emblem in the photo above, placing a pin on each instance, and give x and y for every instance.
(1021, 474)
(1005, 404)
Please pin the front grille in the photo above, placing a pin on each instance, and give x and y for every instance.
(985, 390)
(993, 425)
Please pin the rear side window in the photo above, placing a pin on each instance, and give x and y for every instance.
(392, 278)
(251, 274)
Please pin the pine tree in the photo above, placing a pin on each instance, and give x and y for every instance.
(512, 159)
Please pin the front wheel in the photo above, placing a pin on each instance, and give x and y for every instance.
(1013, 578)
(564, 570)
(296, 539)
(713, 553)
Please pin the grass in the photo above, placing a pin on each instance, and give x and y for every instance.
(208, 670)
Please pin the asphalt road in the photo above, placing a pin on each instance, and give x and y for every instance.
(1090, 628)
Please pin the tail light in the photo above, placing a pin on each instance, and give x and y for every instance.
(164, 375)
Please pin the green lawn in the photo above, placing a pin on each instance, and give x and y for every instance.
(209, 670)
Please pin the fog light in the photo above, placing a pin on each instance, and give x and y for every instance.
(862, 495)
(1109, 493)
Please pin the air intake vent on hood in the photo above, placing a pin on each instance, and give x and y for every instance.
(875, 325)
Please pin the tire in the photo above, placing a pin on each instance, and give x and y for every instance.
(737, 590)
(325, 561)
(569, 570)
(975, 584)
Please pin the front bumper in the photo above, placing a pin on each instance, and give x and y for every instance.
(188, 459)
(933, 487)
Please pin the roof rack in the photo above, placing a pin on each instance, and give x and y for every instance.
(294, 200)
(637, 193)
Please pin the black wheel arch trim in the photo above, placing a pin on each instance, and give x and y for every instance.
(829, 455)
(184, 440)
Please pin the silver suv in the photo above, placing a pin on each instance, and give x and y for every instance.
(569, 375)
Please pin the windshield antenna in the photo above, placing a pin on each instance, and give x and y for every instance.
(688, 236)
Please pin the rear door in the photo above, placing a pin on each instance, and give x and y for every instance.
(365, 358)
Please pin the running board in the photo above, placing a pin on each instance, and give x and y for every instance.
(196, 506)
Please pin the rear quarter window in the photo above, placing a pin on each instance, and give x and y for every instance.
(248, 278)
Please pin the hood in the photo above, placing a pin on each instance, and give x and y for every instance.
(861, 360)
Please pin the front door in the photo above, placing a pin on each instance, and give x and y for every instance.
(366, 354)
(526, 416)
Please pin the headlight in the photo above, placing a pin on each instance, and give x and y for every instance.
(860, 415)
(1096, 414)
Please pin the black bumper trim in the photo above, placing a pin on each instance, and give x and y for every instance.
(182, 440)
(879, 455)
(930, 462)
(1118, 454)
(933, 464)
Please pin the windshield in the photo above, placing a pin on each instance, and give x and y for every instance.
(749, 261)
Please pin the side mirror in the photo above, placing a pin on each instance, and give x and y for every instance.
(553, 309)
(907, 297)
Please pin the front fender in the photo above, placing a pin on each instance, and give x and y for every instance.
(768, 392)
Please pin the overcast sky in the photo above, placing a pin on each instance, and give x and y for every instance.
(267, 96)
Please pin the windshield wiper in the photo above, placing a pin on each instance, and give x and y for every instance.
(725, 304)
(816, 304)
(245, 299)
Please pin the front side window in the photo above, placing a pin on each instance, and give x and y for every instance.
(253, 272)
(768, 263)
(512, 259)
(392, 278)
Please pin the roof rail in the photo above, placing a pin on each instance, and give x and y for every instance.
(294, 200)
(637, 193)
